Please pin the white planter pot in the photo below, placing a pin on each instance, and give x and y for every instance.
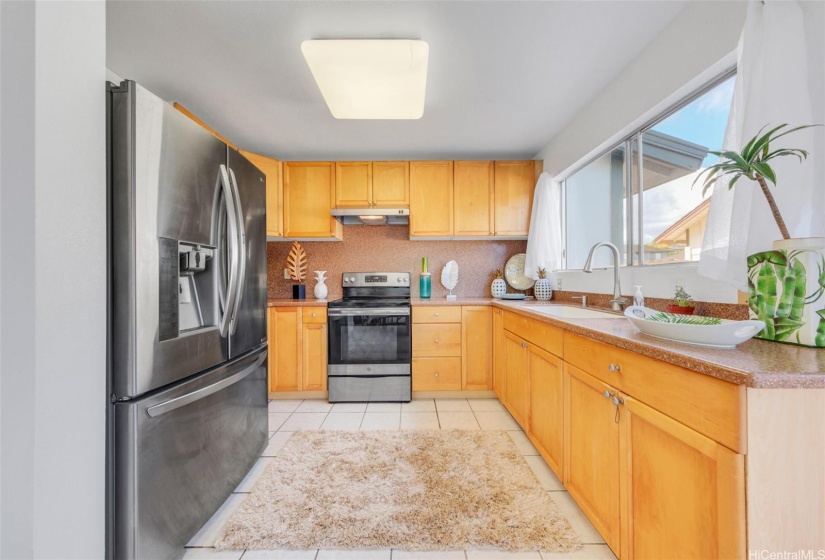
(786, 289)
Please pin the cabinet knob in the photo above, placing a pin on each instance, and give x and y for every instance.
(436, 314)
(607, 394)
(436, 341)
(435, 374)
(615, 367)
(313, 314)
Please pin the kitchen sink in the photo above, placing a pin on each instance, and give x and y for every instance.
(567, 312)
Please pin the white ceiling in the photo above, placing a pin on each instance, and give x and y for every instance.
(504, 77)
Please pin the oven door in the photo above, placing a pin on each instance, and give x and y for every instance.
(360, 338)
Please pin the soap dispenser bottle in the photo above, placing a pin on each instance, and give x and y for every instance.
(638, 298)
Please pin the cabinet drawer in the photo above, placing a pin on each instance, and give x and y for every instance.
(315, 315)
(547, 337)
(709, 405)
(436, 340)
(436, 374)
(436, 314)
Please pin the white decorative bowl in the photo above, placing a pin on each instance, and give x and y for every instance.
(723, 334)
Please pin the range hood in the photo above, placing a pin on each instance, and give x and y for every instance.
(372, 216)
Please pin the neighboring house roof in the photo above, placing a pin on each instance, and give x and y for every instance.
(675, 231)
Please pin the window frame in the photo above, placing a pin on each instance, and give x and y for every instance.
(635, 230)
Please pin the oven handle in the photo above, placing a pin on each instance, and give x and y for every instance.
(390, 311)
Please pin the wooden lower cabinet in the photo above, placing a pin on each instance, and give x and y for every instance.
(651, 486)
(682, 493)
(297, 349)
(546, 406)
(516, 384)
(436, 374)
(591, 451)
(284, 348)
(314, 357)
(499, 357)
(476, 348)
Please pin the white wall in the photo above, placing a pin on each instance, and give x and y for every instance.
(699, 44)
(53, 255)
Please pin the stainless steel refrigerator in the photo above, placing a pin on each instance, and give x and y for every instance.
(188, 352)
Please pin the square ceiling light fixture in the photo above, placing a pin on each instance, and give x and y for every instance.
(371, 78)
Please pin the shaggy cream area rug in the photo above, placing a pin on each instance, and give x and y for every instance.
(412, 490)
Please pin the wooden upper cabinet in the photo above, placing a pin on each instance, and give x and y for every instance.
(274, 192)
(360, 184)
(515, 182)
(474, 198)
(431, 198)
(353, 184)
(391, 183)
(309, 193)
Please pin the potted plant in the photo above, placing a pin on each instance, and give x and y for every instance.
(785, 285)
(682, 302)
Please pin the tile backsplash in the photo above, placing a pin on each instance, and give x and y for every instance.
(388, 249)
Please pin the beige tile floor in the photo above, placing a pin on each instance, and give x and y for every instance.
(286, 417)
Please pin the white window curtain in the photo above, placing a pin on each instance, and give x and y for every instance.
(544, 248)
(780, 79)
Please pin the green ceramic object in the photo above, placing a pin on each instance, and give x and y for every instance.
(786, 288)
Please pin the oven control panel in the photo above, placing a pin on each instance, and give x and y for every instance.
(376, 279)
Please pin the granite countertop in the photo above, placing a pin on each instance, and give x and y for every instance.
(458, 301)
(309, 302)
(755, 363)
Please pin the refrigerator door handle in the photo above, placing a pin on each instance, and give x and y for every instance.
(233, 324)
(234, 250)
(172, 404)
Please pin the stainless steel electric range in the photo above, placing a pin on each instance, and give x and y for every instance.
(370, 339)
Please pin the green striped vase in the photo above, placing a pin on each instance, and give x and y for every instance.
(786, 289)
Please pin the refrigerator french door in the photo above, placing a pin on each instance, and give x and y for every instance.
(188, 330)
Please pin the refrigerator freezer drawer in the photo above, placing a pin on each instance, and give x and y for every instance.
(181, 452)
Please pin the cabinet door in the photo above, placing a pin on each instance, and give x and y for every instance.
(515, 182)
(476, 348)
(499, 358)
(309, 191)
(516, 387)
(314, 356)
(285, 349)
(591, 451)
(473, 198)
(391, 183)
(431, 198)
(353, 184)
(683, 493)
(546, 412)
(274, 192)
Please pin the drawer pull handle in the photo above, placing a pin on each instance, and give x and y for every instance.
(615, 367)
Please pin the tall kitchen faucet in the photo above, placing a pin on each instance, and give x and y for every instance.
(618, 301)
